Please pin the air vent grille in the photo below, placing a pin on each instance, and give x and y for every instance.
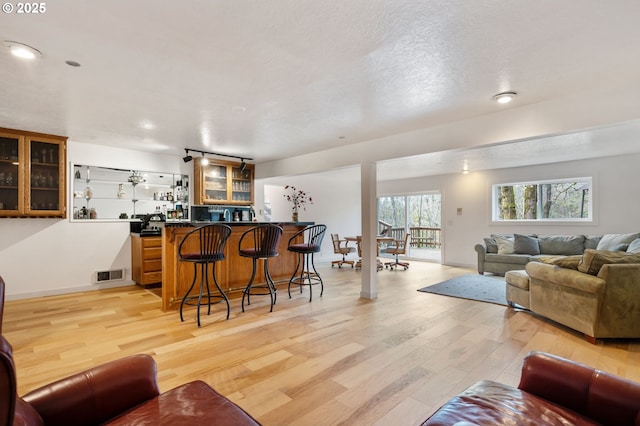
(107, 276)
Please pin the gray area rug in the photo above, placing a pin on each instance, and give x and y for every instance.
(474, 287)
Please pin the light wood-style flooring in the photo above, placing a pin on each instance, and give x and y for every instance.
(339, 360)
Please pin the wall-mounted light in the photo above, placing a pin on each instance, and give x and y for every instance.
(504, 97)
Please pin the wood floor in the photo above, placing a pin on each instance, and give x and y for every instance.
(338, 360)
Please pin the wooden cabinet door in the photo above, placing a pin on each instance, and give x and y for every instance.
(45, 177)
(223, 182)
(33, 178)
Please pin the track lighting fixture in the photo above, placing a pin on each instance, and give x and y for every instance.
(204, 160)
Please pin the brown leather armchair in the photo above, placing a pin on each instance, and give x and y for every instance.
(121, 392)
(552, 391)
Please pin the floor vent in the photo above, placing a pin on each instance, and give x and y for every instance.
(106, 276)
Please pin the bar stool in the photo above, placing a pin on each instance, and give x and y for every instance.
(262, 243)
(203, 246)
(312, 243)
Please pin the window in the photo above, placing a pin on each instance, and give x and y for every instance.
(558, 200)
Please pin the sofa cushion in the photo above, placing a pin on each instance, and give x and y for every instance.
(516, 259)
(634, 246)
(505, 244)
(491, 403)
(194, 403)
(609, 241)
(524, 244)
(518, 278)
(592, 260)
(561, 244)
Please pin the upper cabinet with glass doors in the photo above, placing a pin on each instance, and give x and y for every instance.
(32, 174)
(223, 182)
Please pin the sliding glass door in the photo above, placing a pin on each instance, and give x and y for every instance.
(416, 214)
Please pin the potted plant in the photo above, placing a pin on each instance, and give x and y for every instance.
(298, 198)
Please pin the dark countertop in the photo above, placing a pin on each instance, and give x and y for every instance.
(182, 223)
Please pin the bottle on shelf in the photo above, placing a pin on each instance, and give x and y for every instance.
(121, 191)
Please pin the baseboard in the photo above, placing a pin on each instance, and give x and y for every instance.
(69, 290)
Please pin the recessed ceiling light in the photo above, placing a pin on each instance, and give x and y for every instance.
(504, 97)
(21, 50)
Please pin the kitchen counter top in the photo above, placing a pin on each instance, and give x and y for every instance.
(183, 223)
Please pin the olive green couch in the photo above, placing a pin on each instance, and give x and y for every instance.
(597, 293)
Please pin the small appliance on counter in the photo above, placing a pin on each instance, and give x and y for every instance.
(148, 224)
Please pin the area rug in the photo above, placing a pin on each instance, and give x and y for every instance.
(474, 287)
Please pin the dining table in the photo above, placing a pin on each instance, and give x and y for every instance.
(379, 239)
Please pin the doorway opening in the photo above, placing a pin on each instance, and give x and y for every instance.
(418, 215)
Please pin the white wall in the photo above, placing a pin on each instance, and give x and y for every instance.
(52, 256)
(616, 202)
(336, 203)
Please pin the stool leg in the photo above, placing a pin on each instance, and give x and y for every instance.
(306, 261)
(203, 279)
(270, 283)
(224, 295)
(205, 271)
(313, 265)
(186, 295)
(247, 289)
(293, 277)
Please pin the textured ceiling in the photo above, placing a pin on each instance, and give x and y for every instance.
(274, 79)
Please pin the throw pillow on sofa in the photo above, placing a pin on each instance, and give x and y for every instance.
(569, 262)
(634, 246)
(524, 244)
(490, 244)
(592, 260)
(609, 241)
(505, 244)
(561, 244)
(566, 262)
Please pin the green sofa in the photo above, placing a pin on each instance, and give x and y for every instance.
(500, 253)
(597, 293)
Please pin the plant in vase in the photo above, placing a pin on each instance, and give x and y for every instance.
(298, 198)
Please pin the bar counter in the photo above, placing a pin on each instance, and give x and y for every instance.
(233, 273)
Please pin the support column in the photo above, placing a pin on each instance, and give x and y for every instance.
(368, 200)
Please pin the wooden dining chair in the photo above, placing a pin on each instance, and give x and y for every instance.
(398, 247)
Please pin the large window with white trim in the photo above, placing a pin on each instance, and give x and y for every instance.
(551, 200)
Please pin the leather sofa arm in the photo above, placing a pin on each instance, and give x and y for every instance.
(482, 251)
(98, 394)
(598, 395)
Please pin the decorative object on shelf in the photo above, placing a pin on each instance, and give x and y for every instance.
(88, 192)
(121, 191)
(124, 216)
(298, 199)
(136, 177)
